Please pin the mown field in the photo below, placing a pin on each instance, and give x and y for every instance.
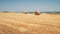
(19, 23)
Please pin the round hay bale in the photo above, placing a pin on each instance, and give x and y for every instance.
(37, 13)
(25, 12)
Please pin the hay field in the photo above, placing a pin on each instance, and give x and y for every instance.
(19, 23)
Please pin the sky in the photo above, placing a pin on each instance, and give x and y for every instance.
(30, 5)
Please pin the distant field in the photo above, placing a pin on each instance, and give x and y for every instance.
(19, 23)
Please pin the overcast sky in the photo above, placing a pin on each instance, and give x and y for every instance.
(29, 5)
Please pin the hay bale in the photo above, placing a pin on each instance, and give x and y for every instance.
(37, 13)
(25, 12)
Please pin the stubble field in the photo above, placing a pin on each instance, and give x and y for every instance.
(19, 23)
